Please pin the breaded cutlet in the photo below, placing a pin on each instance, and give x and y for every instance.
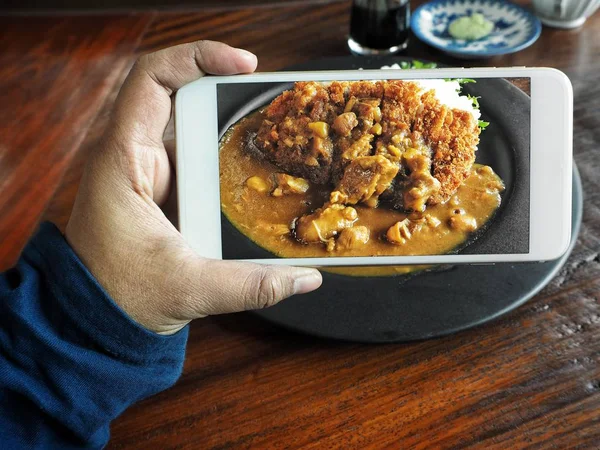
(391, 118)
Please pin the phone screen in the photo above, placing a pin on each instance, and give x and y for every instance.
(374, 168)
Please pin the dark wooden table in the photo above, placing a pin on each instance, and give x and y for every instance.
(528, 380)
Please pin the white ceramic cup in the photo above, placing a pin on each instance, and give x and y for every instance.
(565, 13)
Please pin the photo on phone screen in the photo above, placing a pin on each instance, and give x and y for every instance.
(374, 168)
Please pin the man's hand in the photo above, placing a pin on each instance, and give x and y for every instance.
(118, 229)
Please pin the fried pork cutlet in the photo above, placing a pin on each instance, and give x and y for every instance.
(411, 148)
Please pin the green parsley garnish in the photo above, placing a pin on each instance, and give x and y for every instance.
(483, 124)
(415, 64)
(461, 80)
(474, 100)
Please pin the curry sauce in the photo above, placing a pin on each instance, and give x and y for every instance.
(266, 207)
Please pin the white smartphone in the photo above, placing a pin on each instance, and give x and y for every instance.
(377, 167)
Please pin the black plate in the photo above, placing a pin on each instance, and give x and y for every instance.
(429, 304)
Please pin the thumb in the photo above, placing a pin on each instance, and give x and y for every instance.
(218, 287)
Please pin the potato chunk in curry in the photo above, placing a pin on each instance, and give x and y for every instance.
(402, 231)
(344, 123)
(287, 184)
(324, 223)
(352, 238)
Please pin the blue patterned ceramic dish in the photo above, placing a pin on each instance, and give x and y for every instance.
(514, 27)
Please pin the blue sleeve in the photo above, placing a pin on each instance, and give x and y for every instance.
(70, 359)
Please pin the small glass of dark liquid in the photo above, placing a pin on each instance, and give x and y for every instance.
(379, 27)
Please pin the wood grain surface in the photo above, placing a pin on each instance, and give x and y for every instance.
(55, 73)
(528, 380)
(23, 7)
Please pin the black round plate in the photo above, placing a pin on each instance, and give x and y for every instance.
(427, 304)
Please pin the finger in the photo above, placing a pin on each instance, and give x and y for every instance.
(171, 149)
(143, 107)
(169, 206)
(219, 287)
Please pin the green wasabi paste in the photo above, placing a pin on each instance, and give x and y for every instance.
(471, 27)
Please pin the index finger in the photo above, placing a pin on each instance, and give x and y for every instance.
(143, 106)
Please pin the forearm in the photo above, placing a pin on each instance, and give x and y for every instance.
(70, 359)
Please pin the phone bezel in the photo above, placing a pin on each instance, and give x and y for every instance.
(550, 174)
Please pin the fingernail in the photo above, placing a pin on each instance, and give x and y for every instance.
(250, 57)
(306, 280)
